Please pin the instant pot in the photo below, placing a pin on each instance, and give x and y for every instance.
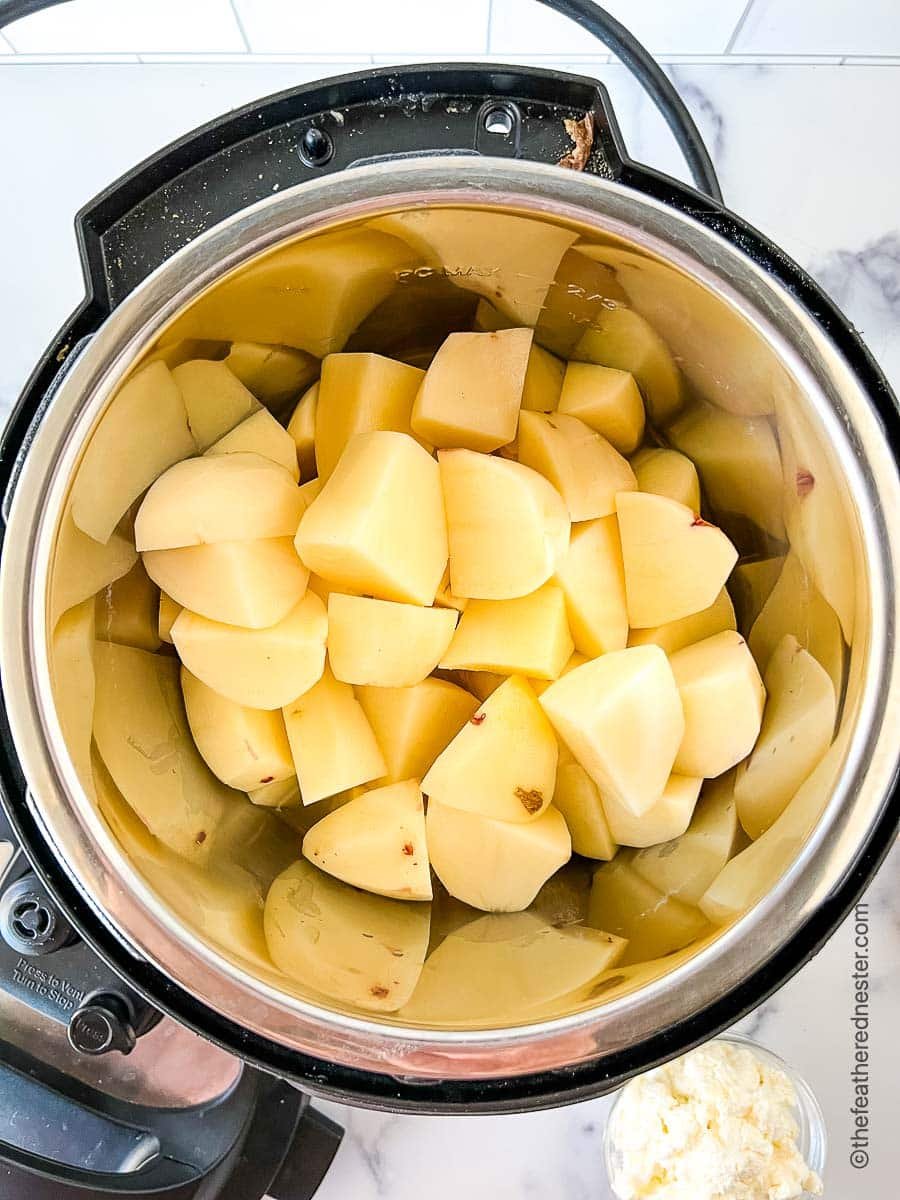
(449, 186)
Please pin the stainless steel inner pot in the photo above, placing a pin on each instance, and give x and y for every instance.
(794, 463)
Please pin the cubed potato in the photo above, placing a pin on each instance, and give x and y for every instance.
(685, 867)
(502, 763)
(543, 381)
(82, 567)
(72, 680)
(383, 643)
(143, 737)
(607, 400)
(592, 578)
(350, 946)
(280, 794)
(499, 969)
(246, 748)
(174, 353)
(675, 635)
(251, 584)
(507, 527)
(261, 434)
(444, 597)
(668, 818)
(274, 374)
(413, 725)
(488, 319)
(583, 467)
(665, 472)
(215, 399)
(359, 393)
(260, 668)
(578, 799)
(376, 842)
(377, 527)
(332, 742)
(168, 615)
(128, 611)
(527, 636)
(539, 686)
(141, 434)
(750, 585)
(723, 699)
(797, 728)
(675, 563)
(629, 907)
(480, 683)
(621, 717)
(581, 286)
(226, 498)
(302, 428)
(497, 866)
(472, 391)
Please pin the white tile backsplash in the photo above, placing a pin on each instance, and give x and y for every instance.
(821, 27)
(114, 26)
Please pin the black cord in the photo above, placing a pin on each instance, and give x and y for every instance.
(652, 79)
(14, 10)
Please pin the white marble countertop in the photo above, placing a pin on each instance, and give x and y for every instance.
(806, 149)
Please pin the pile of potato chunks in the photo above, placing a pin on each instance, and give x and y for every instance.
(459, 622)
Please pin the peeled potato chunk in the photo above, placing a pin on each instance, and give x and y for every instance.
(507, 527)
(539, 686)
(331, 740)
(480, 683)
(472, 391)
(723, 698)
(280, 794)
(607, 400)
(665, 472)
(142, 433)
(675, 635)
(543, 381)
(797, 728)
(578, 799)
(383, 643)
(260, 668)
(128, 611)
(630, 907)
(274, 374)
(215, 399)
(359, 393)
(244, 747)
(412, 725)
(261, 434)
(302, 428)
(444, 597)
(226, 498)
(253, 584)
(527, 636)
(592, 578)
(351, 946)
(583, 467)
(168, 615)
(751, 584)
(377, 527)
(376, 842)
(497, 866)
(82, 567)
(72, 680)
(621, 717)
(502, 763)
(675, 563)
(668, 818)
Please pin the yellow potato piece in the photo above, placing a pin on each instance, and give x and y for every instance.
(261, 434)
(583, 467)
(383, 643)
(472, 391)
(274, 374)
(497, 866)
(444, 597)
(280, 794)
(675, 635)
(797, 728)
(226, 498)
(359, 393)
(675, 563)
(751, 584)
(507, 527)
(143, 737)
(630, 907)
(168, 615)
(621, 717)
(592, 578)
(128, 611)
(260, 668)
(377, 527)
(331, 740)
(581, 286)
(413, 725)
(82, 567)
(607, 400)
(72, 680)
(480, 683)
(527, 636)
(376, 842)
(141, 434)
(578, 799)
(539, 686)
(723, 698)
(488, 319)
(215, 399)
(253, 584)
(543, 381)
(668, 818)
(665, 472)
(502, 763)
(246, 748)
(302, 428)
(350, 946)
